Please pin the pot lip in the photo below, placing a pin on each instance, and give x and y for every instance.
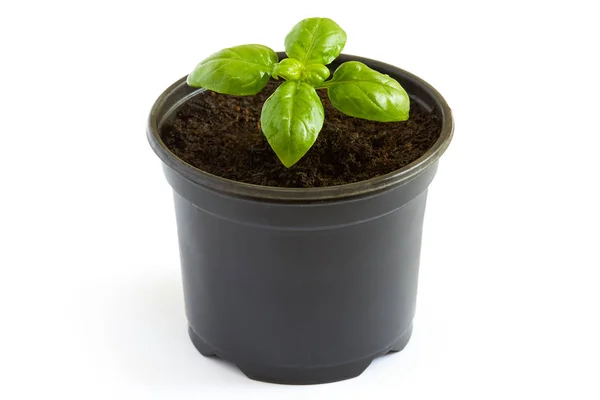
(338, 192)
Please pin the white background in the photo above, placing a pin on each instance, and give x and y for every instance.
(90, 295)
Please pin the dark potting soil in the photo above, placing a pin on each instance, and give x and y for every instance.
(221, 134)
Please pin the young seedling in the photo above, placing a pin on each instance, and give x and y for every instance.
(293, 115)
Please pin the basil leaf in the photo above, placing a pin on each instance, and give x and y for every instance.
(289, 69)
(362, 92)
(291, 120)
(315, 74)
(315, 41)
(241, 70)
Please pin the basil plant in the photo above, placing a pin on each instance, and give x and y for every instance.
(293, 115)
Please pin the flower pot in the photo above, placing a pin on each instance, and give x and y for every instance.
(301, 286)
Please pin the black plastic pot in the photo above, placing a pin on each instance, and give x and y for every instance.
(301, 286)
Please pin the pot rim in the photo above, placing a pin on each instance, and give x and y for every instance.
(338, 192)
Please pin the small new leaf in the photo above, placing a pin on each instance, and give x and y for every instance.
(241, 70)
(289, 69)
(315, 74)
(362, 92)
(291, 119)
(315, 41)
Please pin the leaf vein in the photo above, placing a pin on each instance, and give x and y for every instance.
(236, 59)
(313, 42)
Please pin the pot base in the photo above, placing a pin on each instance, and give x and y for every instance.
(299, 375)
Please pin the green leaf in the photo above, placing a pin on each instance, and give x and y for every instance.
(241, 70)
(315, 74)
(289, 69)
(291, 120)
(362, 92)
(315, 41)
(293, 70)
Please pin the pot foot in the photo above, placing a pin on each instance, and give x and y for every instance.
(402, 341)
(304, 376)
(299, 375)
(201, 345)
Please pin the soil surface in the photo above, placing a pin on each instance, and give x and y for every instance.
(221, 134)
